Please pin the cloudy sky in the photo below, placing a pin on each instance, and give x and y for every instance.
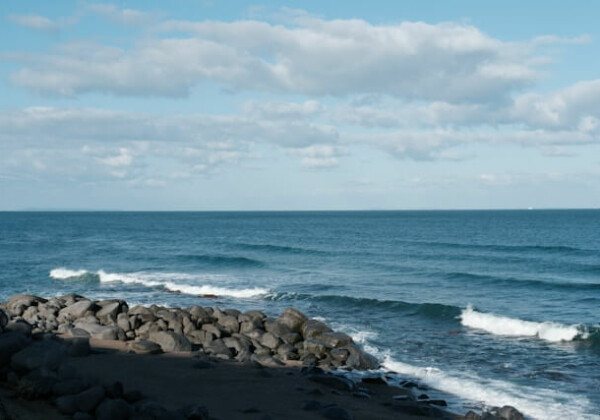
(236, 105)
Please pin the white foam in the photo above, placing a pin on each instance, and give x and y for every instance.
(537, 403)
(500, 325)
(63, 273)
(165, 280)
(156, 280)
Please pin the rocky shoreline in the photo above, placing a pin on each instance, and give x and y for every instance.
(46, 345)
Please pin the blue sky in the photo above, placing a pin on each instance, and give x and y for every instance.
(210, 105)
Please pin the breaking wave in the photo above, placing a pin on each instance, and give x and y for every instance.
(162, 280)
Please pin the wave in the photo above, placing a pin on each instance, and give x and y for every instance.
(161, 280)
(511, 281)
(500, 325)
(543, 249)
(431, 310)
(222, 260)
(284, 249)
(534, 402)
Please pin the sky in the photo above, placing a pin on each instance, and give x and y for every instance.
(315, 105)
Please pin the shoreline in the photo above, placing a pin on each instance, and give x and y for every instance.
(197, 362)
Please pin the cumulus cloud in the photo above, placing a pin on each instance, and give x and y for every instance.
(129, 17)
(412, 60)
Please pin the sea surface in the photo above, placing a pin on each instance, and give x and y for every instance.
(488, 307)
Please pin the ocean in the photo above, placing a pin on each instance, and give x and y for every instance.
(488, 307)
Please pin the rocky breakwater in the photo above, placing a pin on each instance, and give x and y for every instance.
(38, 338)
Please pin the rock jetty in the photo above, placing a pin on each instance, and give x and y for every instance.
(38, 336)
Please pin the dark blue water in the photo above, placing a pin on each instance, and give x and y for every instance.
(493, 307)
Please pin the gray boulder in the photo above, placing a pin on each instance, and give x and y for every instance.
(275, 327)
(359, 359)
(76, 310)
(293, 319)
(123, 322)
(145, 347)
(143, 313)
(313, 328)
(509, 413)
(100, 332)
(229, 323)
(335, 339)
(170, 341)
(270, 341)
(266, 361)
(108, 313)
(218, 348)
(70, 386)
(17, 304)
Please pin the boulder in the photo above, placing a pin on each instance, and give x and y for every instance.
(266, 360)
(313, 328)
(213, 330)
(199, 336)
(291, 338)
(143, 313)
(4, 317)
(170, 341)
(293, 319)
(270, 341)
(19, 326)
(316, 347)
(229, 323)
(335, 339)
(116, 409)
(276, 328)
(11, 343)
(76, 310)
(341, 355)
(123, 322)
(100, 332)
(359, 359)
(218, 348)
(17, 304)
(88, 400)
(48, 354)
(108, 313)
(509, 413)
(145, 347)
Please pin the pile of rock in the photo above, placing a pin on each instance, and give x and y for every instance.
(228, 334)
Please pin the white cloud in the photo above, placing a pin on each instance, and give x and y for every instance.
(38, 23)
(129, 17)
(412, 60)
(124, 158)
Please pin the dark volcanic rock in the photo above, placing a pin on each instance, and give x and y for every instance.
(76, 310)
(293, 319)
(19, 326)
(170, 341)
(509, 413)
(145, 347)
(313, 328)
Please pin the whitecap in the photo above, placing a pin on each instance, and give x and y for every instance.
(500, 325)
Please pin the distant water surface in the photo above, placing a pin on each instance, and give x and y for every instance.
(490, 307)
